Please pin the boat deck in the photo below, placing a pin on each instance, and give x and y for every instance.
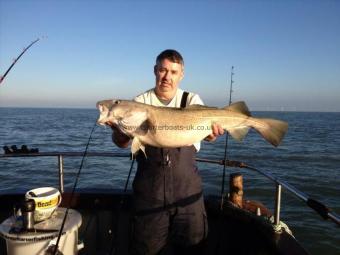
(106, 221)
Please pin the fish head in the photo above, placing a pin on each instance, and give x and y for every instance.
(125, 114)
(108, 111)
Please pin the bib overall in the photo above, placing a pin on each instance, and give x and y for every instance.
(168, 200)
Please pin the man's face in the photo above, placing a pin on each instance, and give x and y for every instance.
(168, 75)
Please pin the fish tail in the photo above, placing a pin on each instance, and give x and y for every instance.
(272, 130)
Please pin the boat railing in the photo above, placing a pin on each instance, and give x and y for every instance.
(324, 211)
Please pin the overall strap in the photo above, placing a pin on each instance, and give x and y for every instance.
(184, 99)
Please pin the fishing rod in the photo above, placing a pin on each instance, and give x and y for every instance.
(226, 138)
(16, 59)
(73, 190)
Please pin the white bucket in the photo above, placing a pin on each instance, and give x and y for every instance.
(47, 200)
(37, 243)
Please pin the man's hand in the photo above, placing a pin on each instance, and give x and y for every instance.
(118, 138)
(217, 130)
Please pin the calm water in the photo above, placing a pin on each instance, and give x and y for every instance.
(309, 159)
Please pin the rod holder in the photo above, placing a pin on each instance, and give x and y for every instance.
(277, 205)
(61, 173)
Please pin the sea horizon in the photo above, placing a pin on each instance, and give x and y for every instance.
(94, 108)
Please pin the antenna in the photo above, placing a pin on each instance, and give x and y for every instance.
(226, 139)
(231, 84)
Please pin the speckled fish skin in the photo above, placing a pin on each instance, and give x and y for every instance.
(168, 127)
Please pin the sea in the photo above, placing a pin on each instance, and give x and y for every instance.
(308, 159)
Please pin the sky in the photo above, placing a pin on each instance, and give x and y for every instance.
(286, 54)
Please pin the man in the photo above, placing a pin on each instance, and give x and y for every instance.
(167, 188)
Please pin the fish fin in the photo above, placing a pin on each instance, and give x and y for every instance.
(239, 107)
(137, 145)
(239, 133)
(273, 130)
(142, 148)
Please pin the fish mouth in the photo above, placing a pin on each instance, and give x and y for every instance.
(103, 111)
(101, 107)
(101, 123)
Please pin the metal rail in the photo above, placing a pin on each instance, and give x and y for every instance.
(324, 211)
(319, 207)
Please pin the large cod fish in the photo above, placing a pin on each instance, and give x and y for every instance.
(168, 127)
